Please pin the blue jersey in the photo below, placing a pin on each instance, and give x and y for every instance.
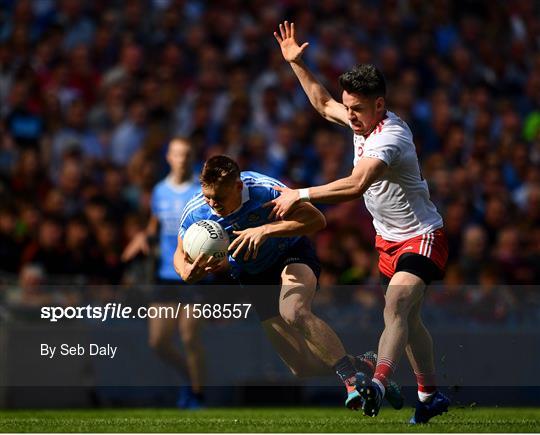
(257, 190)
(168, 202)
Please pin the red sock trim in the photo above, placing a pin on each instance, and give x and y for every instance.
(384, 370)
(426, 382)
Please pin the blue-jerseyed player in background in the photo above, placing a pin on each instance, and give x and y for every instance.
(275, 263)
(169, 198)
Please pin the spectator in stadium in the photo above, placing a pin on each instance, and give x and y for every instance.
(387, 173)
(48, 250)
(29, 180)
(82, 255)
(75, 135)
(10, 247)
(489, 302)
(474, 249)
(32, 291)
(129, 136)
(22, 121)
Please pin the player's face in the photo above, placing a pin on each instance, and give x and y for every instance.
(223, 198)
(179, 157)
(364, 113)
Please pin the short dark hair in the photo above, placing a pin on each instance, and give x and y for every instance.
(364, 79)
(219, 170)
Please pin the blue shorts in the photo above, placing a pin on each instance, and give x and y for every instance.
(263, 289)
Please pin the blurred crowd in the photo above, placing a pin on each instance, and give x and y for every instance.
(91, 91)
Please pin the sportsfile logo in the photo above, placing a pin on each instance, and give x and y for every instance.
(111, 310)
(118, 311)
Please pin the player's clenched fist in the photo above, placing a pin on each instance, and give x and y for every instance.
(292, 52)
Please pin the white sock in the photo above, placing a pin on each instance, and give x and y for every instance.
(380, 385)
(425, 397)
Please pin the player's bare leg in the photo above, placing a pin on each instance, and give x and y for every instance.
(189, 328)
(293, 349)
(160, 337)
(419, 350)
(297, 292)
(298, 284)
(295, 352)
(404, 292)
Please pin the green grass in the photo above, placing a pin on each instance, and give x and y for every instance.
(265, 420)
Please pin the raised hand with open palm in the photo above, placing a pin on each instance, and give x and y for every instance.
(292, 52)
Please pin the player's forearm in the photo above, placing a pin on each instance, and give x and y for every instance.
(152, 227)
(343, 190)
(352, 187)
(178, 262)
(315, 91)
(299, 223)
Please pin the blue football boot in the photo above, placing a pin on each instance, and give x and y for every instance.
(426, 410)
(187, 399)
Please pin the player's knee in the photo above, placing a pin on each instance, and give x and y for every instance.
(159, 344)
(398, 304)
(298, 275)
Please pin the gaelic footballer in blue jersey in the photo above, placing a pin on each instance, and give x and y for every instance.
(169, 198)
(270, 253)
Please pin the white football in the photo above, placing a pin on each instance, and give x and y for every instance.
(206, 237)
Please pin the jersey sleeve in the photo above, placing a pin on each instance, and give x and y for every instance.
(187, 218)
(265, 188)
(384, 147)
(185, 223)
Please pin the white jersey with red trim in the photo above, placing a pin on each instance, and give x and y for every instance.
(399, 202)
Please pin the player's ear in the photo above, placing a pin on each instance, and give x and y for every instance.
(379, 104)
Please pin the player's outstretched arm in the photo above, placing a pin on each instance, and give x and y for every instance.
(305, 219)
(193, 271)
(365, 173)
(319, 97)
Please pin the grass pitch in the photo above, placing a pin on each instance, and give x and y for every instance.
(266, 420)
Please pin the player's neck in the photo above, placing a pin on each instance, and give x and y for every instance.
(179, 179)
(381, 118)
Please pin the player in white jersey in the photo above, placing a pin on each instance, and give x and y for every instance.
(411, 243)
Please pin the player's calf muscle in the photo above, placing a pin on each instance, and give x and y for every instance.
(294, 314)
